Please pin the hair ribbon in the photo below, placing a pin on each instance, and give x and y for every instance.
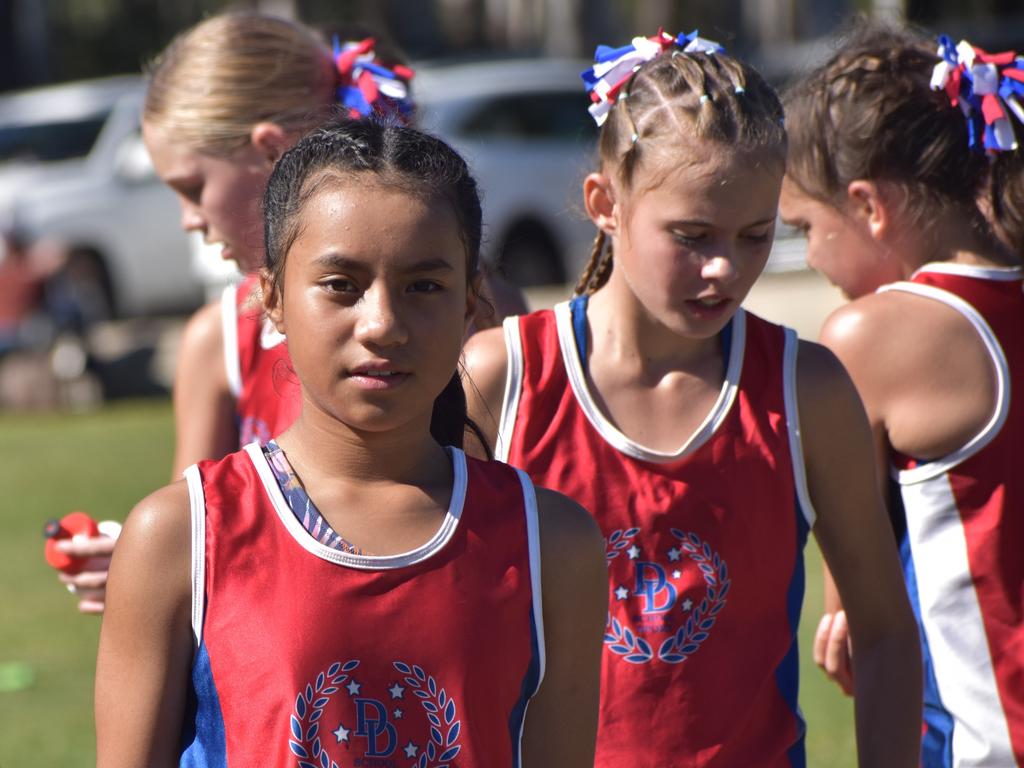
(985, 86)
(366, 87)
(613, 67)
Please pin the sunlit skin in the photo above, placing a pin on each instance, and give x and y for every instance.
(389, 290)
(219, 196)
(839, 243)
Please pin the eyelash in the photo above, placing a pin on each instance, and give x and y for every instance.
(347, 286)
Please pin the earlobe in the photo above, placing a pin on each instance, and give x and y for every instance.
(272, 306)
(270, 140)
(600, 201)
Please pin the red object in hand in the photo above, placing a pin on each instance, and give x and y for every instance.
(73, 524)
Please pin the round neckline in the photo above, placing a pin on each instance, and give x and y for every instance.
(418, 554)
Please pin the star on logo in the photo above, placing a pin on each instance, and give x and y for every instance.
(396, 691)
(677, 574)
(673, 554)
(341, 734)
(633, 552)
(687, 604)
(397, 714)
(410, 749)
(353, 688)
(621, 593)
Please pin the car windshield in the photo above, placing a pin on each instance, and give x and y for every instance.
(49, 142)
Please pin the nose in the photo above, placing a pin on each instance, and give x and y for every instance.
(191, 219)
(720, 267)
(380, 322)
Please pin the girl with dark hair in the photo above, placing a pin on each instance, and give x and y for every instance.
(701, 437)
(888, 144)
(357, 591)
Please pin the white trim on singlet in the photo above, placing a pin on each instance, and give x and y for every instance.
(796, 448)
(991, 429)
(971, 270)
(229, 323)
(513, 388)
(612, 435)
(364, 562)
(197, 505)
(533, 544)
(951, 618)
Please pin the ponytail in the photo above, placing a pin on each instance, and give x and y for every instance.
(450, 420)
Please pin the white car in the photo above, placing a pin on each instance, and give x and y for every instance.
(73, 167)
(524, 128)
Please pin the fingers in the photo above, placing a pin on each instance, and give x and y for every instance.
(91, 579)
(96, 546)
(90, 586)
(832, 650)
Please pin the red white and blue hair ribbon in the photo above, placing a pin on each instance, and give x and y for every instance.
(613, 67)
(366, 87)
(987, 87)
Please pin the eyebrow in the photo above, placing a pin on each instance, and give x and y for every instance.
(338, 261)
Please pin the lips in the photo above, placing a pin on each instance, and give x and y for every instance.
(378, 376)
(709, 307)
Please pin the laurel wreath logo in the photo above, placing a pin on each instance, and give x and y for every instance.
(618, 541)
(624, 642)
(442, 747)
(689, 637)
(305, 718)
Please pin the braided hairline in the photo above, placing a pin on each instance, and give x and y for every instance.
(870, 113)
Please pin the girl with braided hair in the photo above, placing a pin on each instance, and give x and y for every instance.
(890, 154)
(451, 594)
(701, 437)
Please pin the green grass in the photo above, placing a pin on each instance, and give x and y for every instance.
(103, 463)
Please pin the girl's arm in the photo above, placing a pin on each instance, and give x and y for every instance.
(204, 408)
(561, 721)
(145, 645)
(856, 539)
(485, 370)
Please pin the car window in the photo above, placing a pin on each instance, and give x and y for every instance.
(49, 142)
(557, 115)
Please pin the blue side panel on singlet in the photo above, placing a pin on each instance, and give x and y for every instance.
(937, 741)
(578, 311)
(530, 683)
(203, 743)
(787, 676)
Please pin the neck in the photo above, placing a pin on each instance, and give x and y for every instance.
(953, 239)
(625, 331)
(320, 445)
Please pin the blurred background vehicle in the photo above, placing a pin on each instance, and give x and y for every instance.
(73, 168)
(524, 128)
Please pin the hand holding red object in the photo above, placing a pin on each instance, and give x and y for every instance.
(73, 525)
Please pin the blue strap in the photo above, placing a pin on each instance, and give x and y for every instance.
(578, 311)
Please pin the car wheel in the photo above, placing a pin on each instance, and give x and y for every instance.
(529, 257)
